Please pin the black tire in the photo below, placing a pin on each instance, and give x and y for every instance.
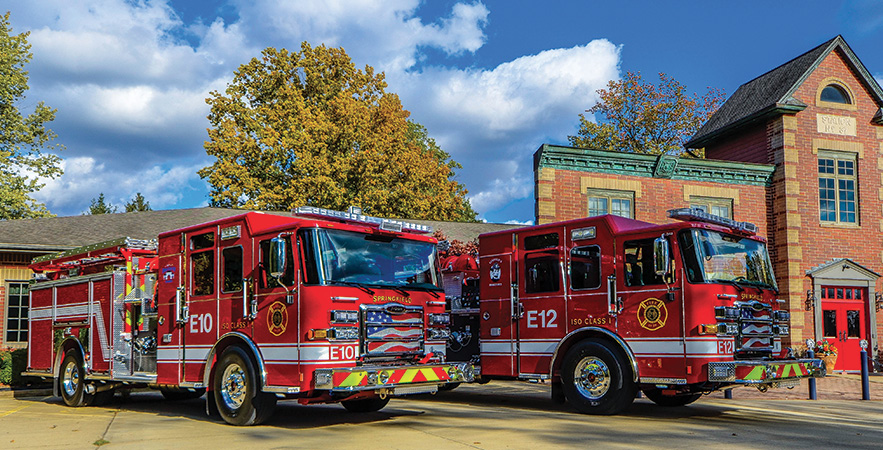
(596, 379)
(365, 405)
(236, 390)
(656, 396)
(448, 387)
(177, 394)
(72, 381)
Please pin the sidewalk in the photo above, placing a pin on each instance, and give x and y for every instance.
(838, 386)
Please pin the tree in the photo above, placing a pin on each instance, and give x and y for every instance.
(639, 117)
(308, 128)
(138, 203)
(22, 137)
(100, 206)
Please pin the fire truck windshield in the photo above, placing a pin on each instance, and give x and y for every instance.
(713, 257)
(343, 257)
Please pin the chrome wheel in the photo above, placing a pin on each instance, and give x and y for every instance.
(70, 378)
(233, 386)
(591, 377)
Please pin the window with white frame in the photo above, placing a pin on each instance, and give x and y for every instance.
(722, 207)
(16, 312)
(838, 194)
(607, 201)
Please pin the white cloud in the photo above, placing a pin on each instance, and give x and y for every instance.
(85, 178)
(129, 80)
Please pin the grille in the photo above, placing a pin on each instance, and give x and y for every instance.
(755, 328)
(391, 330)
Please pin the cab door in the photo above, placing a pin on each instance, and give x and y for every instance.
(589, 268)
(198, 333)
(541, 308)
(276, 312)
(651, 317)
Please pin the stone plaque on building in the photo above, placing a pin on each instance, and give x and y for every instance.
(841, 125)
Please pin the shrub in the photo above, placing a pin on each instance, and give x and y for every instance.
(12, 363)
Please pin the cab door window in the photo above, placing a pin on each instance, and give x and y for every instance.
(266, 281)
(541, 260)
(202, 264)
(638, 264)
(232, 266)
(585, 267)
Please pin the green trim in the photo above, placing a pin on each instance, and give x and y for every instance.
(632, 164)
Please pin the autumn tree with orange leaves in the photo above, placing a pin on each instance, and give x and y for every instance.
(309, 128)
(640, 117)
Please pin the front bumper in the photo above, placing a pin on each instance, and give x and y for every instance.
(391, 379)
(764, 372)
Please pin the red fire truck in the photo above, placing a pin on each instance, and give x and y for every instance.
(605, 306)
(322, 306)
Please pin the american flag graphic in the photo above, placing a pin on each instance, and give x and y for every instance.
(393, 333)
(750, 328)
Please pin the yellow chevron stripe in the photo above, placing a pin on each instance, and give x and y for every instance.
(354, 379)
(429, 374)
(786, 372)
(408, 376)
(755, 374)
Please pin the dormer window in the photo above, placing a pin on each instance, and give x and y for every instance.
(833, 93)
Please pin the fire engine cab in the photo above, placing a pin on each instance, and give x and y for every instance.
(605, 306)
(322, 306)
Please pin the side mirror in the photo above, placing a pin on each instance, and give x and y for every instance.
(278, 260)
(661, 257)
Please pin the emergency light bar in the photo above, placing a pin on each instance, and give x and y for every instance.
(355, 215)
(698, 215)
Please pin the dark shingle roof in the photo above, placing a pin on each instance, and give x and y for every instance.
(771, 93)
(59, 233)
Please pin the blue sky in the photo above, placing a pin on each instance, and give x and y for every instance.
(491, 80)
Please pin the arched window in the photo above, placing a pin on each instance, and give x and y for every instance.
(833, 93)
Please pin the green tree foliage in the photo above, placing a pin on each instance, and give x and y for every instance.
(138, 203)
(100, 206)
(308, 128)
(23, 138)
(639, 117)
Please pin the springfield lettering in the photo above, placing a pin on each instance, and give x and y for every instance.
(391, 299)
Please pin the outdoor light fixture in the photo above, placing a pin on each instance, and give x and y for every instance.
(811, 298)
(878, 301)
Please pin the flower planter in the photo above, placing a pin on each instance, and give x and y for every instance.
(829, 360)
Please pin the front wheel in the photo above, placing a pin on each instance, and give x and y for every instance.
(596, 380)
(73, 381)
(365, 405)
(656, 396)
(236, 390)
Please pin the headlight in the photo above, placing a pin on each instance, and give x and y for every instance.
(439, 319)
(437, 334)
(782, 316)
(344, 316)
(345, 333)
(781, 330)
(726, 313)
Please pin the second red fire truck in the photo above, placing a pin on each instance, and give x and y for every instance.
(606, 306)
(329, 306)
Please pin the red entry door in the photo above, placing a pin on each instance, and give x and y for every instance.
(843, 323)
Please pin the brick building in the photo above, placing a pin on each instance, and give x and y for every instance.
(798, 151)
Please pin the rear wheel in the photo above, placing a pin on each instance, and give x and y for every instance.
(656, 396)
(236, 390)
(596, 379)
(365, 405)
(73, 381)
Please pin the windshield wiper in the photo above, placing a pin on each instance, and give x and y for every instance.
(730, 281)
(424, 289)
(361, 286)
(755, 284)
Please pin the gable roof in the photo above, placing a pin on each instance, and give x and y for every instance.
(772, 93)
(63, 233)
